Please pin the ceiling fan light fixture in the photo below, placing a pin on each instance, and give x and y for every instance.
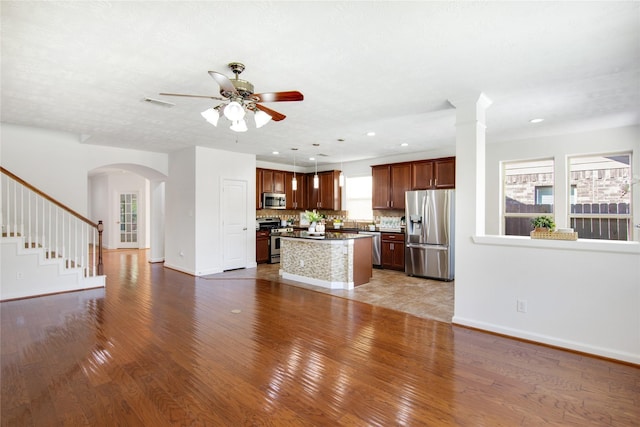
(261, 118)
(234, 111)
(211, 115)
(239, 126)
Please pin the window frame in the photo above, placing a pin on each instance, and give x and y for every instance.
(503, 199)
(367, 196)
(573, 217)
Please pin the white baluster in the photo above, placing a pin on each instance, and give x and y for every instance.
(75, 240)
(94, 234)
(15, 208)
(62, 249)
(35, 235)
(69, 239)
(49, 240)
(22, 210)
(57, 229)
(7, 204)
(29, 218)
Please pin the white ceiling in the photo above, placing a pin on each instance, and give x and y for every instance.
(388, 67)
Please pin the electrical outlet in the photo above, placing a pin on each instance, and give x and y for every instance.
(521, 305)
(19, 275)
(301, 263)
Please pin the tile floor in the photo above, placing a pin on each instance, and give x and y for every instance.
(432, 299)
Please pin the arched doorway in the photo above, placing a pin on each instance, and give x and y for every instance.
(130, 200)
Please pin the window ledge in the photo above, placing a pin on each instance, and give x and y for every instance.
(591, 245)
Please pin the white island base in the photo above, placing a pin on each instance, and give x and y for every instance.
(339, 262)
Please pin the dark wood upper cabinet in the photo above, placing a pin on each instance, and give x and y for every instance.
(329, 194)
(259, 173)
(389, 184)
(268, 181)
(381, 186)
(327, 197)
(295, 199)
(436, 173)
(422, 175)
(445, 173)
(272, 181)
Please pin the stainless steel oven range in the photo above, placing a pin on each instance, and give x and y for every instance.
(274, 243)
(273, 225)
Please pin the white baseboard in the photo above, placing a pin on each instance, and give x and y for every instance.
(549, 340)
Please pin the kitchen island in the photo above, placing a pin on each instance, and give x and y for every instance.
(331, 260)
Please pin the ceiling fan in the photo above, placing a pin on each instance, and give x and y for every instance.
(239, 98)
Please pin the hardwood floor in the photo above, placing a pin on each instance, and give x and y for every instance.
(158, 347)
(393, 289)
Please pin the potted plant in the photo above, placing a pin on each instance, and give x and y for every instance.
(543, 223)
(314, 218)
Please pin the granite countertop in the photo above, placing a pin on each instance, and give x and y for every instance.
(302, 234)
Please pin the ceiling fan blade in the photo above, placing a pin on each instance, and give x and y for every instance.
(275, 116)
(193, 96)
(224, 82)
(292, 95)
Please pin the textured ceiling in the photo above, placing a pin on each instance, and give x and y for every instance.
(388, 67)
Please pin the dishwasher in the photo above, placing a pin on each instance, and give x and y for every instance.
(376, 247)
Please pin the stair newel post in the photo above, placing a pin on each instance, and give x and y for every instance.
(100, 266)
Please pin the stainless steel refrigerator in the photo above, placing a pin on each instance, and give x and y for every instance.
(429, 239)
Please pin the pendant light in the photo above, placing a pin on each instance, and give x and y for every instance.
(341, 176)
(294, 181)
(316, 180)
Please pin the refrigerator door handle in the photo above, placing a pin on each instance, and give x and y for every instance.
(423, 246)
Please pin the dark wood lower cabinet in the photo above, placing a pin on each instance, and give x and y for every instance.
(262, 247)
(392, 256)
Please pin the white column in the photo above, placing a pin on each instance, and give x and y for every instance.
(157, 221)
(470, 196)
(470, 165)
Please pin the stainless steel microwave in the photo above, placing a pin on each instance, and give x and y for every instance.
(274, 201)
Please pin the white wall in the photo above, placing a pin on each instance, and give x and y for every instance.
(180, 197)
(582, 295)
(193, 217)
(43, 158)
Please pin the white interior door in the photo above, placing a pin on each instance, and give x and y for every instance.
(128, 220)
(234, 224)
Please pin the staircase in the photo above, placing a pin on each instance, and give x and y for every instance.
(46, 247)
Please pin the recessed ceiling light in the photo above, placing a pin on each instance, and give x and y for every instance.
(404, 144)
(536, 120)
(371, 133)
(275, 152)
(312, 158)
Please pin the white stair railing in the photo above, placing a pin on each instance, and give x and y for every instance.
(46, 223)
